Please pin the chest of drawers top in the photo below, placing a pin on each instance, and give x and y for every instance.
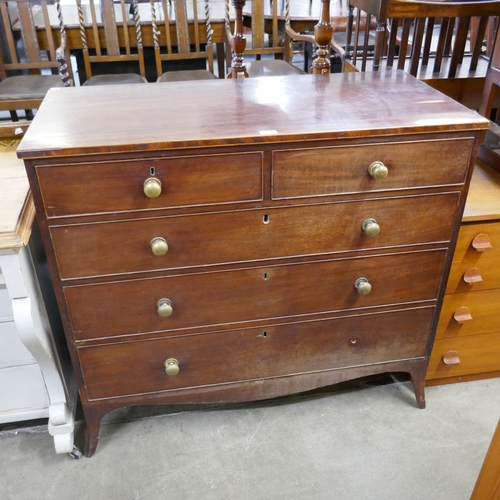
(120, 119)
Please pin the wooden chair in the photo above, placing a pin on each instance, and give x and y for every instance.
(266, 41)
(489, 152)
(439, 42)
(27, 69)
(186, 45)
(107, 42)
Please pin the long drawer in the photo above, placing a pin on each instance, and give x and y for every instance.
(467, 276)
(338, 170)
(217, 358)
(118, 186)
(465, 314)
(489, 235)
(226, 297)
(228, 237)
(477, 354)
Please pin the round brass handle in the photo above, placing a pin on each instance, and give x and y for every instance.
(378, 170)
(165, 308)
(171, 367)
(159, 246)
(363, 286)
(152, 187)
(370, 227)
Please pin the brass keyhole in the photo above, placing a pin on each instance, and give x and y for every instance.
(265, 276)
(152, 171)
(265, 219)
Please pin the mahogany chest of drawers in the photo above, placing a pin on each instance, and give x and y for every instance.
(239, 240)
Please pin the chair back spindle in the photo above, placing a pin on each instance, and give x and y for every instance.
(109, 36)
(440, 42)
(178, 35)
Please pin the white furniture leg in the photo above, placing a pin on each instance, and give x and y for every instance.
(30, 318)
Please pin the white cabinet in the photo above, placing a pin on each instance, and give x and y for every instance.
(32, 384)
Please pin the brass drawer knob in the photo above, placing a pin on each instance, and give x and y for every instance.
(152, 187)
(363, 286)
(171, 367)
(450, 358)
(482, 243)
(472, 276)
(370, 227)
(378, 170)
(159, 246)
(165, 308)
(462, 315)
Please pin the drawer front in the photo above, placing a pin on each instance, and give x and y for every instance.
(226, 297)
(118, 186)
(255, 353)
(207, 239)
(467, 237)
(338, 170)
(483, 315)
(467, 275)
(477, 354)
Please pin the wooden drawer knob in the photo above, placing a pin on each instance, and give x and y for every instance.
(370, 227)
(450, 358)
(165, 308)
(363, 286)
(462, 315)
(472, 276)
(159, 246)
(378, 170)
(171, 367)
(482, 243)
(152, 187)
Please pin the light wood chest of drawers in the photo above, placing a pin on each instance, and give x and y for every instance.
(467, 342)
(232, 240)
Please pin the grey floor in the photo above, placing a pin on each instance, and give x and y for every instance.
(357, 441)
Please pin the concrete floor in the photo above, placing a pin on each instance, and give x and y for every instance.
(356, 441)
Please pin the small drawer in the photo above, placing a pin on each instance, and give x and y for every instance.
(475, 355)
(12, 350)
(255, 294)
(197, 240)
(129, 368)
(323, 172)
(118, 186)
(467, 275)
(477, 242)
(465, 314)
